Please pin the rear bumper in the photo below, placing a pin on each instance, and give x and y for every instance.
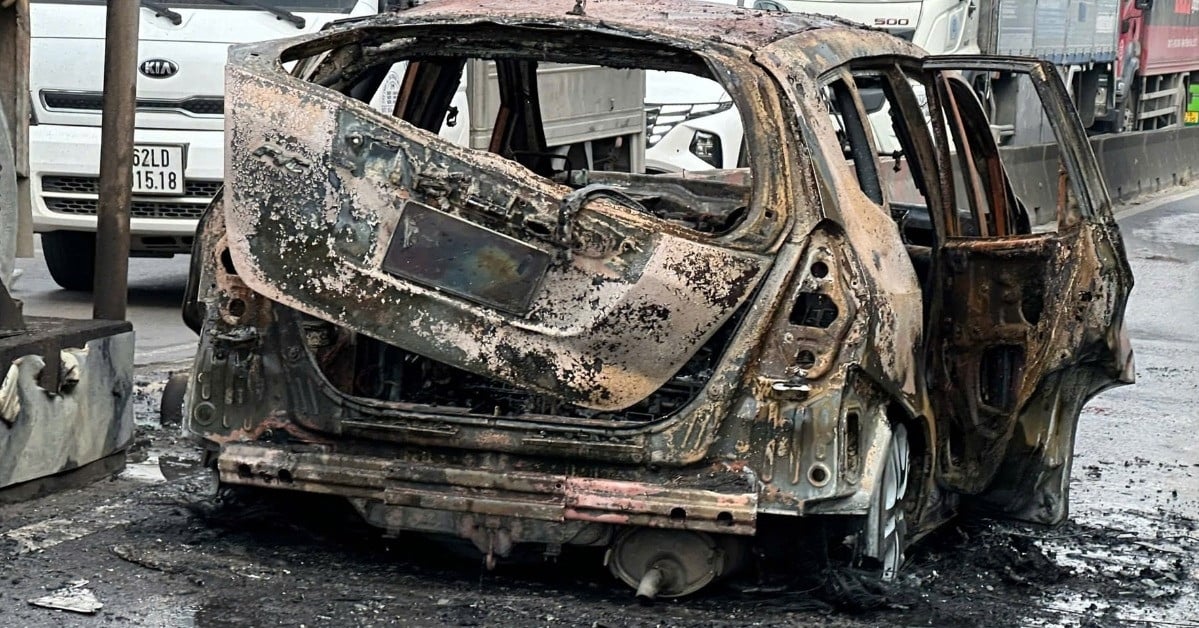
(694, 502)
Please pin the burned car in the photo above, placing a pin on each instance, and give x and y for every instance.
(522, 346)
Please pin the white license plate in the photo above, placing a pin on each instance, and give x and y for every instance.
(158, 169)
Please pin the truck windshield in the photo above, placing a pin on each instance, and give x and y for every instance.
(791, 5)
(306, 6)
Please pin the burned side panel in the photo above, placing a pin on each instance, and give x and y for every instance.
(337, 211)
(890, 346)
(1081, 351)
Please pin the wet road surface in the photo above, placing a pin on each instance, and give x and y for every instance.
(159, 553)
(155, 293)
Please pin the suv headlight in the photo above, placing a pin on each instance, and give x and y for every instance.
(707, 147)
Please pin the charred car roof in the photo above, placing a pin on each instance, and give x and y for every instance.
(675, 19)
(699, 27)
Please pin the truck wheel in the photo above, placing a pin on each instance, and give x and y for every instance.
(1183, 93)
(71, 258)
(1128, 115)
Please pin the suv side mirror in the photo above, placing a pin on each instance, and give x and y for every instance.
(1143, 5)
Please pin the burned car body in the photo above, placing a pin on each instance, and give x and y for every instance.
(496, 346)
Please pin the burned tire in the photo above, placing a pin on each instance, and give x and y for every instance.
(71, 258)
(170, 410)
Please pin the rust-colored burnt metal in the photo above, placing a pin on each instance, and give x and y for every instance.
(501, 346)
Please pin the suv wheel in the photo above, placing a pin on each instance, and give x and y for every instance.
(71, 258)
(886, 528)
(893, 493)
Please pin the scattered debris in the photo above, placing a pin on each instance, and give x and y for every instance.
(149, 558)
(174, 467)
(47, 533)
(72, 598)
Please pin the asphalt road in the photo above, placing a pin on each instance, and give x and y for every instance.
(158, 553)
(155, 293)
(1155, 421)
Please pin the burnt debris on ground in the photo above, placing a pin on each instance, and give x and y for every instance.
(174, 553)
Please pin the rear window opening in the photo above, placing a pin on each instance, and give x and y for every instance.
(501, 247)
(362, 367)
(559, 114)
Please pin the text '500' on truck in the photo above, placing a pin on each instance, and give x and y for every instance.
(508, 351)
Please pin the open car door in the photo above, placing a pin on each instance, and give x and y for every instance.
(1025, 326)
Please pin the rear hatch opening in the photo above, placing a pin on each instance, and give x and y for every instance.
(534, 272)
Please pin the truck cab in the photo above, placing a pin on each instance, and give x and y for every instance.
(1158, 65)
(941, 27)
(178, 157)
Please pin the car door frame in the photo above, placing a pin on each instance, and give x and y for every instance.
(1048, 357)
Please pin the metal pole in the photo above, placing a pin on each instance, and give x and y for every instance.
(116, 160)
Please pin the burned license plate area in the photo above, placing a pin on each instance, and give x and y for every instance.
(444, 252)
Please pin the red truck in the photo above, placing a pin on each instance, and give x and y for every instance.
(1158, 62)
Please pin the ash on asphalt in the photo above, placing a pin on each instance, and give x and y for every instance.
(160, 552)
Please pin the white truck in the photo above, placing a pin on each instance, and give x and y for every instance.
(180, 123)
(178, 157)
(595, 122)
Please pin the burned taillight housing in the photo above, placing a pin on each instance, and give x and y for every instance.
(821, 306)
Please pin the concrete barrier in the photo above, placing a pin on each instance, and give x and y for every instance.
(1033, 171)
(1132, 163)
(1140, 163)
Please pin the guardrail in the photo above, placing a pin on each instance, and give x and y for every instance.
(1132, 163)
